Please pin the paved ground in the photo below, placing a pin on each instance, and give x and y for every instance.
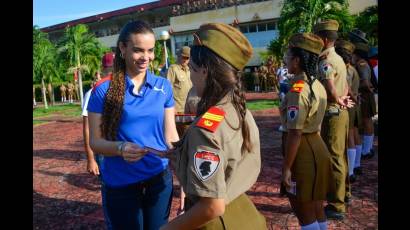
(65, 196)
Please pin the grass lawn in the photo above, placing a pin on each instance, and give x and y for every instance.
(262, 104)
(58, 110)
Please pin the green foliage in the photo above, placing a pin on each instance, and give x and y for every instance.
(262, 104)
(58, 110)
(302, 15)
(367, 21)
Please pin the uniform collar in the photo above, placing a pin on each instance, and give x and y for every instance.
(327, 51)
(301, 76)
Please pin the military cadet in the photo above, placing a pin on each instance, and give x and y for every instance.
(263, 76)
(218, 159)
(271, 76)
(70, 90)
(345, 50)
(63, 93)
(368, 103)
(179, 76)
(307, 163)
(332, 74)
(256, 80)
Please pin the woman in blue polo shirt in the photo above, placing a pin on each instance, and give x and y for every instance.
(132, 110)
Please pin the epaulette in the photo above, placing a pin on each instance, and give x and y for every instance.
(211, 119)
(104, 79)
(297, 87)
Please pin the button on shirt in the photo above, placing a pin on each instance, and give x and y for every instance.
(142, 123)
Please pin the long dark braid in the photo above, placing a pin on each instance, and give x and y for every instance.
(114, 99)
(308, 63)
(222, 80)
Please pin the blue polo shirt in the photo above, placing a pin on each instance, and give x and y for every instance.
(142, 122)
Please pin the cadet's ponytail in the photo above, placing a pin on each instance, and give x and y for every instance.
(223, 79)
(308, 63)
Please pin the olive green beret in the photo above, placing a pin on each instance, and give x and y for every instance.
(362, 46)
(185, 51)
(345, 45)
(328, 24)
(226, 41)
(307, 41)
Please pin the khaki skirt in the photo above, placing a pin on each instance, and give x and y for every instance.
(368, 105)
(355, 118)
(311, 169)
(241, 213)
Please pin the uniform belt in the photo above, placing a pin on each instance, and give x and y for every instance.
(310, 134)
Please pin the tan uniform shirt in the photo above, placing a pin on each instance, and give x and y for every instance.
(298, 111)
(211, 164)
(364, 71)
(70, 87)
(256, 80)
(181, 84)
(332, 66)
(353, 80)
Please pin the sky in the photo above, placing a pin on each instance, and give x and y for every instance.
(51, 12)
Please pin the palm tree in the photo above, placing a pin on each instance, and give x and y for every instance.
(76, 45)
(43, 60)
(301, 15)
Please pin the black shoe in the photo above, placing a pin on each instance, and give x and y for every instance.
(331, 214)
(358, 171)
(352, 178)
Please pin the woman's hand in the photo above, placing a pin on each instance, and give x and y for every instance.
(132, 152)
(92, 167)
(286, 178)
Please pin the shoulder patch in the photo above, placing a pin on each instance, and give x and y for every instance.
(211, 119)
(326, 67)
(205, 163)
(297, 86)
(107, 78)
(292, 112)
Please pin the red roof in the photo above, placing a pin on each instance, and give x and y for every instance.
(103, 16)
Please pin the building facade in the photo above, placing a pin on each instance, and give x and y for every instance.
(257, 19)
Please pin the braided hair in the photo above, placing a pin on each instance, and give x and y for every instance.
(223, 79)
(308, 63)
(114, 99)
(345, 54)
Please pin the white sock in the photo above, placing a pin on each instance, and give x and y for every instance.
(351, 156)
(312, 226)
(323, 225)
(358, 156)
(366, 144)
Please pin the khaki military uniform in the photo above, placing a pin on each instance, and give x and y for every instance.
(63, 90)
(311, 169)
(263, 70)
(210, 163)
(353, 81)
(181, 84)
(368, 103)
(272, 81)
(335, 126)
(256, 80)
(70, 88)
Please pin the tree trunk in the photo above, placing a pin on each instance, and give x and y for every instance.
(44, 93)
(80, 79)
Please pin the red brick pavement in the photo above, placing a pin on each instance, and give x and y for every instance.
(65, 196)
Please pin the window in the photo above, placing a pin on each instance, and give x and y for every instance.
(252, 28)
(271, 26)
(261, 27)
(244, 29)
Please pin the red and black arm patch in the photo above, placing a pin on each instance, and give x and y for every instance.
(297, 87)
(211, 119)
